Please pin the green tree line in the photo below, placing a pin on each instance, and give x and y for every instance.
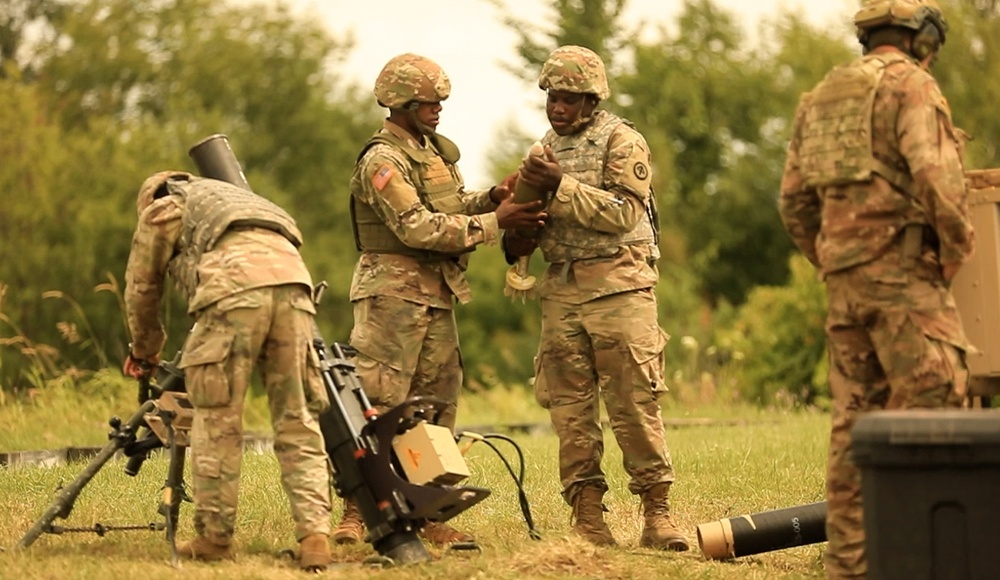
(97, 94)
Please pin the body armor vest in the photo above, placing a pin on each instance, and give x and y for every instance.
(211, 209)
(437, 188)
(836, 146)
(582, 156)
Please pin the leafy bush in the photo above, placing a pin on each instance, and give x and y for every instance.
(777, 344)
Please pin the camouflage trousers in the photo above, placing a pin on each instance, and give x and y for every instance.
(895, 341)
(407, 350)
(610, 348)
(270, 329)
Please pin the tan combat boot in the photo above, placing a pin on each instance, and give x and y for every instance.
(442, 535)
(351, 529)
(314, 552)
(588, 516)
(659, 530)
(201, 548)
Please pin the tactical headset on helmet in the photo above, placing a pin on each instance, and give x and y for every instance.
(921, 16)
(575, 69)
(411, 77)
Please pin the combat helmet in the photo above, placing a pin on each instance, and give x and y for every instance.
(152, 187)
(411, 77)
(916, 15)
(575, 69)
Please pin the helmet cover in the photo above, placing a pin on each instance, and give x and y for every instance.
(911, 14)
(411, 77)
(575, 69)
(152, 184)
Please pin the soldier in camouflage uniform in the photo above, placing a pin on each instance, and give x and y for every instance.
(600, 336)
(235, 257)
(415, 225)
(874, 195)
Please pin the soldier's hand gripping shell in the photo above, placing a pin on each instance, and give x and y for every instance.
(519, 284)
(541, 171)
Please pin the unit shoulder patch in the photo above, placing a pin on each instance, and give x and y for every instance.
(640, 170)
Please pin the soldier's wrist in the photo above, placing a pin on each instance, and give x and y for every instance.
(140, 360)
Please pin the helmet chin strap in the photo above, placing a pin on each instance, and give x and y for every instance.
(582, 119)
(423, 128)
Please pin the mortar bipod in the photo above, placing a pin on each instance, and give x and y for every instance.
(161, 422)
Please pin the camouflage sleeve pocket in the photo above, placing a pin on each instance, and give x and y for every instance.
(204, 364)
(956, 135)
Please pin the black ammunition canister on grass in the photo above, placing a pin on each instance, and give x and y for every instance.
(763, 532)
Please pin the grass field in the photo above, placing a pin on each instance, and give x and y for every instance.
(742, 461)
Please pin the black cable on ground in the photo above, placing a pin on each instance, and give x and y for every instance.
(517, 477)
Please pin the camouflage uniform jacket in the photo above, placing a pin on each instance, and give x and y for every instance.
(383, 181)
(840, 225)
(239, 260)
(599, 239)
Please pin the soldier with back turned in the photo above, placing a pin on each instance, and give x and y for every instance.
(873, 194)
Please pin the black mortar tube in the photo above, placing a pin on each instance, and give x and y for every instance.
(763, 532)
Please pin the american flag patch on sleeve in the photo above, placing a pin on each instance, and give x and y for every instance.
(382, 176)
